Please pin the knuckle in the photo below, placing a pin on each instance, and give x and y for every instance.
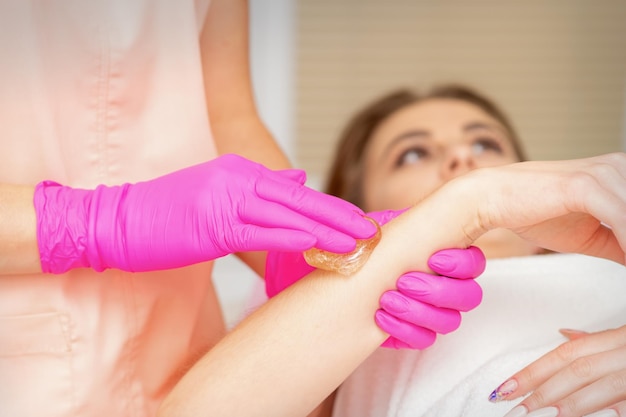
(536, 400)
(566, 352)
(582, 367)
(528, 376)
(617, 383)
(569, 406)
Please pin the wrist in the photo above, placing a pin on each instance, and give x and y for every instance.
(78, 228)
(62, 230)
(470, 196)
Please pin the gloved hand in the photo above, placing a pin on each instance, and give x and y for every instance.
(203, 212)
(423, 304)
(426, 304)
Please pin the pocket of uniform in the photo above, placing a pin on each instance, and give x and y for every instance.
(36, 365)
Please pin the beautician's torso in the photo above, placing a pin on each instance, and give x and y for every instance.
(101, 93)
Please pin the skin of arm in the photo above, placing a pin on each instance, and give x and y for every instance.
(235, 122)
(19, 253)
(294, 351)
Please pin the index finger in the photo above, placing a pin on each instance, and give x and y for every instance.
(324, 208)
(539, 371)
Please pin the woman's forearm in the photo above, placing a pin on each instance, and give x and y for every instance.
(294, 351)
(19, 253)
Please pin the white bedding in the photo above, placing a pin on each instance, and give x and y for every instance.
(526, 300)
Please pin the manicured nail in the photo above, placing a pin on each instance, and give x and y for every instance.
(572, 334)
(603, 413)
(545, 412)
(504, 390)
(519, 411)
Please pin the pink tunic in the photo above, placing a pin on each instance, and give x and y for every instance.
(90, 93)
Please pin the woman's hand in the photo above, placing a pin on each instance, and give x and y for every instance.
(566, 206)
(196, 214)
(584, 375)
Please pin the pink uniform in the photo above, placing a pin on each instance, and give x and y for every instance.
(101, 93)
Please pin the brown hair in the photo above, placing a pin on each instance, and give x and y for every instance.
(346, 173)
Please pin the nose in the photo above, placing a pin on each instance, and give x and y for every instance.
(457, 160)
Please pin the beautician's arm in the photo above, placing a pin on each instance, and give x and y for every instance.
(18, 237)
(235, 122)
(284, 359)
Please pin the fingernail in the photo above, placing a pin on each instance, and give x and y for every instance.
(442, 262)
(394, 303)
(572, 334)
(519, 411)
(504, 390)
(603, 413)
(545, 412)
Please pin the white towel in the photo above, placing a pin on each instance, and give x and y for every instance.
(526, 300)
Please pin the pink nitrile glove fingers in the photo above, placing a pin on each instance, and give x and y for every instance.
(458, 263)
(452, 293)
(317, 210)
(284, 268)
(438, 319)
(406, 335)
(196, 214)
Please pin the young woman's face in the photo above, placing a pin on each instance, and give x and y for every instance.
(424, 145)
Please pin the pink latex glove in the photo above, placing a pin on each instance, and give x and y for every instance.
(426, 304)
(203, 212)
(423, 304)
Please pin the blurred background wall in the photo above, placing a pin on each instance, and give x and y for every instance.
(558, 67)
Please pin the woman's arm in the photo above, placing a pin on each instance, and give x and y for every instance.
(236, 125)
(288, 356)
(19, 253)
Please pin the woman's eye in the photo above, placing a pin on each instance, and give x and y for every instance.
(411, 156)
(481, 146)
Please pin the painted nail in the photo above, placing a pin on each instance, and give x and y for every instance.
(504, 390)
(603, 413)
(519, 411)
(545, 412)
